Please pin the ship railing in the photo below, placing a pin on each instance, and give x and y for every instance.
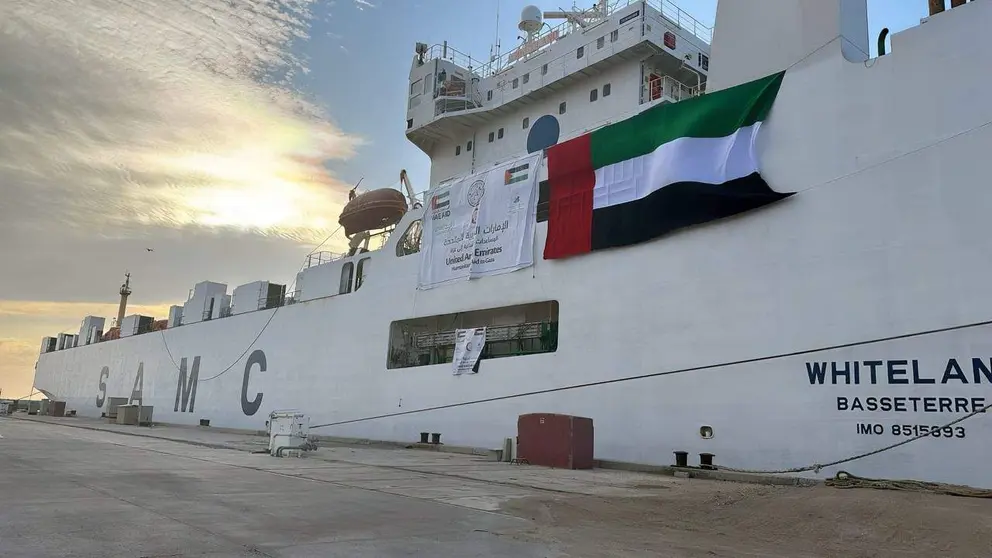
(679, 17)
(493, 334)
(550, 35)
(292, 297)
(322, 257)
(662, 87)
(456, 104)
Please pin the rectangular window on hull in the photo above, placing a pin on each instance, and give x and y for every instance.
(524, 329)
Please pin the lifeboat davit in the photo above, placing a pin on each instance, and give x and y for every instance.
(373, 210)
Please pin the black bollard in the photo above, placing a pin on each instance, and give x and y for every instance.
(706, 461)
(681, 459)
(423, 437)
(435, 437)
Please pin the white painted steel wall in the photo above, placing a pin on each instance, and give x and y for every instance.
(322, 280)
(199, 303)
(887, 236)
(175, 316)
(246, 297)
(46, 342)
(86, 329)
(129, 325)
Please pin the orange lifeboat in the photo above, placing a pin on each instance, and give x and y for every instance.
(373, 210)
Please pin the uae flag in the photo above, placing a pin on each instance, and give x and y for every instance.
(669, 167)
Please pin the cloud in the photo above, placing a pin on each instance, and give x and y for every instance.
(117, 115)
(17, 358)
(24, 322)
(43, 310)
(362, 4)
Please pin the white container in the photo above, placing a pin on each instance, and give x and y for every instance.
(128, 414)
(287, 430)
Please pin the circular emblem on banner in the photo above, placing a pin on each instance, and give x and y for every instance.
(475, 192)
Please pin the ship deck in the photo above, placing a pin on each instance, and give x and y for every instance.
(84, 488)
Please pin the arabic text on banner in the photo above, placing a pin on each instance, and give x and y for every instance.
(481, 225)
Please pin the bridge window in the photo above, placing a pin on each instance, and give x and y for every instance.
(468, 146)
(410, 241)
(580, 52)
(492, 137)
(526, 78)
(516, 83)
(606, 90)
(499, 133)
(614, 35)
(544, 70)
(347, 271)
(593, 95)
(511, 331)
(561, 108)
(526, 122)
(458, 150)
(489, 95)
(600, 42)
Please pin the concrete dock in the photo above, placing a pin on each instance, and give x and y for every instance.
(77, 487)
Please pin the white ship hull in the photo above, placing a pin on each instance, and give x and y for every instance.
(887, 237)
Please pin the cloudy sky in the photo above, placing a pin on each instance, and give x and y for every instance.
(222, 134)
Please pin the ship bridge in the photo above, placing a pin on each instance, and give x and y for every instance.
(452, 94)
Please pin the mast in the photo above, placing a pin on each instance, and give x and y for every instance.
(125, 292)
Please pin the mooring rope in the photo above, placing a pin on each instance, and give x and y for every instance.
(843, 479)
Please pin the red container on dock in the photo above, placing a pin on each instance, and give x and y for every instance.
(552, 440)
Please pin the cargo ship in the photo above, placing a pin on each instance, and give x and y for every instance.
(762, 244)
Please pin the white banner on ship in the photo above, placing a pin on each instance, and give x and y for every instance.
(468, 350)
(481, 225)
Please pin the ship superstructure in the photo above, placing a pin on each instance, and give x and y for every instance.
(574, 73)
(834, 324)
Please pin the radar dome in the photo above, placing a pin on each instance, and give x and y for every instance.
(531, 19)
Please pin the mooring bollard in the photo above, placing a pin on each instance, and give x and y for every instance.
(706, 461)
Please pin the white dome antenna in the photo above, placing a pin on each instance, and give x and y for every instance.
(531, 20)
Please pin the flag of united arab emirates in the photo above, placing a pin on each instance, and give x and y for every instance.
(669, 167)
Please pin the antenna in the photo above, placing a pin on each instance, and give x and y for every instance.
(497, 23)
(494, 56)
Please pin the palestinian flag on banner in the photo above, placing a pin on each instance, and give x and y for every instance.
(516, 174)
(669, 167)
